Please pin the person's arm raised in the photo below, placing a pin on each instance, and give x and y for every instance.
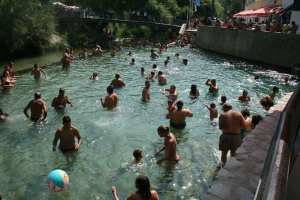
(208, 84)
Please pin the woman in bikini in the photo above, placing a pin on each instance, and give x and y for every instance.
(5, 83)
(170, 145)
(172, 93)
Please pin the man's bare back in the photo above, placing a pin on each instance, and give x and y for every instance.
(179, 116)
(36, 106)
(117, 83)
(162, 79)
(231, 122)
(37, 72)
(112, 101)
(59, 102)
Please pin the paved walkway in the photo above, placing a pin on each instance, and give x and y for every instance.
(239, 177)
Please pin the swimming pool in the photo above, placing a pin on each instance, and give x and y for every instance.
(109, 137)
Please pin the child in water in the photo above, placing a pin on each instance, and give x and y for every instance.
(213, 113)
(223, 100)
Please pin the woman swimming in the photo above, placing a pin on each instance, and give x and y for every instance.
(172, 93)
(194, 93)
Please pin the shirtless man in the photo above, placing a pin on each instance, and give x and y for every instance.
(275, 90)
(151, 76)
(66, 134)
(178, 117)
(83, 53)
(213, 111)
(111, 101)
(154, 67)
(36, 106)
(121, 46)
(143, 71)
(213, 87)
(12, 71)
(65, 60)
(132, 62)
(36, 71)
(230, 122)
(117, 83)
(60, 101)
(99, 51)
(113, 51)
(146, 92)
(153, 55)
(244, 97)
(130, 54)
(162, 78)
(94, 77)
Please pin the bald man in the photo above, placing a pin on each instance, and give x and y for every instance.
(36, 106)
(117, 83)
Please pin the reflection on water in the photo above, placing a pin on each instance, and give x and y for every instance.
(109, 137)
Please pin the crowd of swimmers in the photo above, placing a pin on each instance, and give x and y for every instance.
(235, 125)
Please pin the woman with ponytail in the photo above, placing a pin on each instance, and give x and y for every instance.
(170, 145)
(144, 192)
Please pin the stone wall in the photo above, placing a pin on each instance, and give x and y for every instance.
(269, 47)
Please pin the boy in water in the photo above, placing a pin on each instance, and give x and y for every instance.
(223, 100)
(171, 106)
(213, 113)
(275, 90)
(151, 76)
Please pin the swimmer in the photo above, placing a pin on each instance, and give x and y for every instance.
(99, 51)
(256, 78)
(113, 51)
(184, 61)
(138, 155)
(192, 46)
(143, 71)
(154, 67)
(182, 44)
(142, 184)
(171, 106)
(267, 102)
(60, 101)
(71, 52)
(111, 101)
(132, 62)
(151, 76)
(117, 83)
(213, 111)
(146, 92)
(255, 120)
(223, 100)
(160, 49)
(130, 54)
(244, 132)
(170, 146)
(213, 87)
(162, 78)
(121, 46)
(36, 106)
(172, 93)
(153, 54)
(166, 63)
(83, 53)
(12, 71)
(5, 82)
(178, 117)
(194, 93)
(9, 78)
(94, 50)
(36, 71)
(168, 58)
(275, 91)
(66, 134)
(177, 55)
(244, 97)
(65, 60)
(2, 115)
(94, 77)
(230, 62)
(286, 80)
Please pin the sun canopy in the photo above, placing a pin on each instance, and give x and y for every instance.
(261, 12)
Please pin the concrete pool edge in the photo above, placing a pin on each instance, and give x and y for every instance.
(240, 176)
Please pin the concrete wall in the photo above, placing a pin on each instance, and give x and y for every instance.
(269, 47)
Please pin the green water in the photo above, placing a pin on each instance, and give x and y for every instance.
(109, 137)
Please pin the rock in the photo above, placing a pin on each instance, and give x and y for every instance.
(233, 164)
(256, 167)
(219, 190)
(211, 197)
(241, 156)
(260, 154)
(224, 175)
(243, 194)
(253, 181)
(240, 150)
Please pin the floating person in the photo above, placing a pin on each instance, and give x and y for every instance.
(176, 55)
(117, 83)
(172, 93)
(5, 82)
(267, 102)
(171, 106)
(132, 62)
(244, 132)
(60, 101)
(113, 51)
(142, 183)
(194, 93)
(3, 116)
(37, 106)
(151, 76)
(255, 120)
(146, 92)
(94, 77)
(170, 146)
(66, 134)
(275, 91)
(213, 113)
(36, 71)
(184, 61)
(178, 117)
(121, 46)
(12, 70)
(143, 71)
(153, 54)
(166, 63)
(223, 100)
(162, 78)
(65, 60)
(83, 53)
(130, 53)
(244, 97)
(213, 87)
(111, 101)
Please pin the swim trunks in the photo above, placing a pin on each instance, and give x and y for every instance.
(229, 142)
(122, 168)
(178, 126)
(175, 159)
(66, 150)
(243, 131)
(214, 122)
(35, 119)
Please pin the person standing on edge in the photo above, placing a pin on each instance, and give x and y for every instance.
(146, 92)
(36, 106)
(66, 134)
(111, 101)
(60, 101)
(230, 122)
(36, 71)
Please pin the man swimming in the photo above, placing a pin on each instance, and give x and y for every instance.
(94, 77)
(213, 112)
(153, 54)
(65, 60)
(143, 71)
(2, 116)
(162, 78)
(223, 100)
(176, 55)
(66, 134)
(178, 117)
(213, 87)
(113, 51)
(132, 62)
(117, 83)
(36, 71)
(146, 92)
(36, 106)
(60, 101)
(83, 53)
(244, 97)
(275, 90)
(111, 101)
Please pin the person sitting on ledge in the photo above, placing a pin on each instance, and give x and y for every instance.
(267, 102)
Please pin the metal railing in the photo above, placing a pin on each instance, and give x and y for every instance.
(283, 152)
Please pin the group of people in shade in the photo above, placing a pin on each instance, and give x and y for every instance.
(235, 125)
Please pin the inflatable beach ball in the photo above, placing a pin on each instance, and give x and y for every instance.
(58, 180)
